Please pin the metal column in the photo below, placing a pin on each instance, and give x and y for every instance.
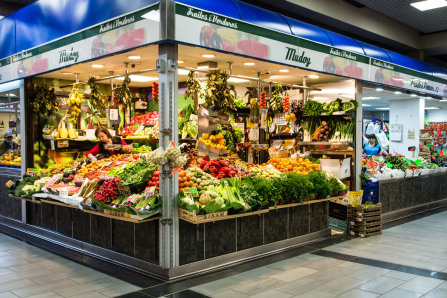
(168, 109)
(358, 139)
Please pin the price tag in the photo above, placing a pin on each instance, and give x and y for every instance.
(30, 172)
(441, 152)
(283, 176)
(242, 166)
(114, 114)
(103, 121)
(67, 170)
(433, 157)
(428, 145)
(191, 191)
(123, 190)
(420, 146)
(439, 132)
(149, 191)
(53, 145)
(194, 117)
(418, 162)
(389, 165)
(9, 183)
(62, 144)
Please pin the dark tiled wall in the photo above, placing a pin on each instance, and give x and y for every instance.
(9, 207)
(409, 192)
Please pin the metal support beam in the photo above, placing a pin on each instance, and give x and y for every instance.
(358, 139)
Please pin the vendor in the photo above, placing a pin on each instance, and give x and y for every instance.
(106, 138)
(8, 144)
(372, 147)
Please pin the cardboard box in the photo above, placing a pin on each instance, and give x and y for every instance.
(333, 167)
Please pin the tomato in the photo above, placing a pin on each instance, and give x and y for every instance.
(149, 183)
(154, 179)
(136, 156)
(156, 174)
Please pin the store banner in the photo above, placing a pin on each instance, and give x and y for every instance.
(200, 27)
(125, 32)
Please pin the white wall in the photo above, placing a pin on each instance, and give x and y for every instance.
(437, 115)
(409, 113)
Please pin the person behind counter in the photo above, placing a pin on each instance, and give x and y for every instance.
(372, 147)
(106, 138)
(8, 144)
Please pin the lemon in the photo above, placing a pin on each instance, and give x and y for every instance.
(253, 101)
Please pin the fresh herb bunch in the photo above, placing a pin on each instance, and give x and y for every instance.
(320, 184)
(350, 106)
(46, 102)
(313, 108)
(123, 94)
(337, 187)
(275, 102)
(96, 98)
(265, 188)
(192, 85)
(218, 92)
(396, 162)
(240, 103)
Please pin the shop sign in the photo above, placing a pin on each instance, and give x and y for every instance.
(132, 30)
(199, 27)
(62, 144)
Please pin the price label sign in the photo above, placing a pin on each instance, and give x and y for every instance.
(103, 121)
(441, 152)
(149, 191)
(283, 176)
(62, 144)
(114, 116)
(67, 170)
(418, 162)
(194, 117)
(9, 183)
(389, 165)
(191, 191)
(32, 172)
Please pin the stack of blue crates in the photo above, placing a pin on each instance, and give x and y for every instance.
(370, 192)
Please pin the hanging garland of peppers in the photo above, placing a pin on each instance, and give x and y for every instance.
(155, 91)
(262, 101)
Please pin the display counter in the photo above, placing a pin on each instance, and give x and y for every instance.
(10, 208)
(407, 194)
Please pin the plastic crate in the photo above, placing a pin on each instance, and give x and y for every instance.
(338, 224)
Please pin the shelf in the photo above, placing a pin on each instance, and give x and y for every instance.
(120, 217)
(305, 203)
(45, 201)
(226, 217)
(187, 140)
(25, 199)
(333, 152)
(322, 143)
(282, 136)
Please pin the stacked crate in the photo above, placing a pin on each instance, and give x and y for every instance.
(365, 220)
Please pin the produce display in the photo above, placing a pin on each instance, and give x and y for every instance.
(11, 159)
(298, 166)
(138, 125)
(188, 125)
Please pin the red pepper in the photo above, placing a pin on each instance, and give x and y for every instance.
(214, 170)
(206, 168)
(221, 175)
(224, 163)
(224, 170)
(215, 163)
(206, 158)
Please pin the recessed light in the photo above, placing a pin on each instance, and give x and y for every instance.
(237, 80)
(180, 61)
(370, 97)
(429, 4)
(397, 79)
(208, 56)
(314, 76)
(136, 78)
(283, 70)
(443, 100)
(134, 57)
(249, 63)
(413, 95)
(66, 73)
(431, 108)
(397, 92)
(383, 108)
(379, 89)
(97, 65)
(365, 105)
(183, 72)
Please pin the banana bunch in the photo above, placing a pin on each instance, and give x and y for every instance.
(275, 102)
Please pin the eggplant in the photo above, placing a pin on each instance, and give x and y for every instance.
(65, 175)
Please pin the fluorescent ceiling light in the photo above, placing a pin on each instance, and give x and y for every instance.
(346, 95)
(208, 56)
(136, 78)
(370, 97)
(383, 108)
(397, 79)
(319, 98)
(153, 15)
(365, 105)
(443, 100)
(97, 65)
(379, 89)
(413, 95)
(179, 61)
(429, 4)
(203, 67)
(397, 92)
(314, 76)
(431, 108)
(283, 70)
(249, 63)
(66, 73)
(183, 72)
(236, 80)
(134, 57)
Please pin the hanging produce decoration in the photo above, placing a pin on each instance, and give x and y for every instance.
(97, 100)
(297, 110)
(275, 103)
(123, 94)
(218, 92)
(46, 102)
(286, 106)
(74, 101)
(192, 86)
(262, 100)
(155, 91)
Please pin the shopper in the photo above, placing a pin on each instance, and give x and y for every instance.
(106, 138)
(8, 144)
(372, 147)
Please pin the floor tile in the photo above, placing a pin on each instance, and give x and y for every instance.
(7, 295)
(339, 286)
(332, 273)
(256, 287)
(368, 273)
(400, 275)
(298, 286)
(42, 288)
(217, 286)
(294, 274)
(17, 284)
(400, 293)
(288, 263)
(322, 264)
(90, 295)
(381, 285)
(436, 293)
(118, 289)
(256, 273)
(421, 284)
(229, 293)
(356, 293)
(85, 287)
(315, 294)
(271, 293)
(46, 295)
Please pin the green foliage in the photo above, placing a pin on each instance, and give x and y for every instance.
(96, 98)
(320, 184)
(313, 108)
(192, 85)
(46, 102)
(218, 91)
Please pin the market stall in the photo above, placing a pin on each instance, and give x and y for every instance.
(198, 161)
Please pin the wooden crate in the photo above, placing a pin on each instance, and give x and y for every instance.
(364, 223)
(364, 235)
(114, 213)
(363, 209)
(192, 216)
(338, 224)
(368, 230)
